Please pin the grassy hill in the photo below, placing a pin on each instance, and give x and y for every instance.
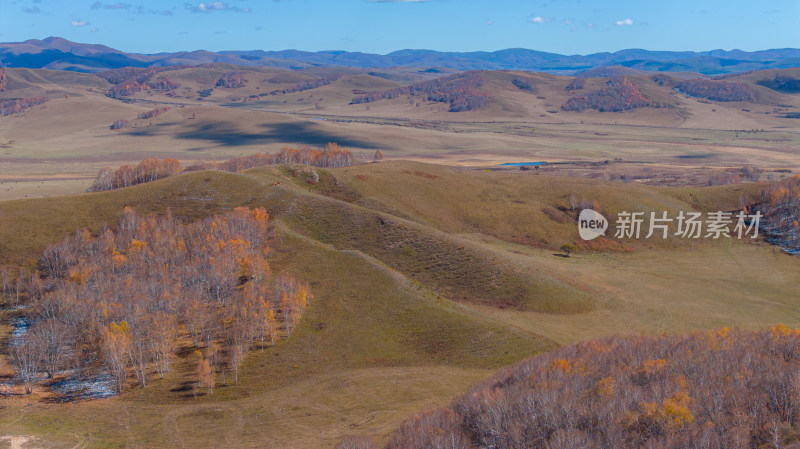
(422, 286)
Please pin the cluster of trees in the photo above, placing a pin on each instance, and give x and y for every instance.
(119, 124)
(576, 84)
(780, 205)
(331, 156)
(163, 84)
(129, 80)
(619, 95)
(523, 83)
(746, 173)
(309, 84)
(231, 80)
(17, 105)
(661, 79)
(153, 112)
(716, 90)
(725, 76)
(124, 300)
(116, 76)
(148, 170)
(721, 179)
(460, 90)
(714, 390)
(782, 83)
(3, 80)
(151, 169)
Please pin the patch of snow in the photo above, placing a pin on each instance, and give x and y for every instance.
(96, 387)
(20, 325)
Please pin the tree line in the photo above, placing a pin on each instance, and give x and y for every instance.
(576, 84)
(620, 94)
(151, 169)
(309, 84)
(714, 390)
(17, 105)
(153, 112)
(122, 301)
(148, 170)
(460, 91)
(331, 156)
(130, 80)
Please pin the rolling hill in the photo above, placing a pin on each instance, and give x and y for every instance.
(521, 116)
(412, 296)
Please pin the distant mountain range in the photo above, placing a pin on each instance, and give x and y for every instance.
(61, 54)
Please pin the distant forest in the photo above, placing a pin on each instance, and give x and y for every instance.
(716, 90)
(619, 95)
(460, 91)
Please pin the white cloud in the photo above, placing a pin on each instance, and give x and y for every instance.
(214, 6)
(120, 5)
(625, 22)
(540, 19)
(79, 23)
(397, 1)
(489, 22)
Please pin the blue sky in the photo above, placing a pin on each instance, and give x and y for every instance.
(382, 26)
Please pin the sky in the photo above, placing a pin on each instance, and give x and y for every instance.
(383, 26)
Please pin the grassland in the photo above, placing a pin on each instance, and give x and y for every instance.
(411, 266)
(691, 138)
(426, 276)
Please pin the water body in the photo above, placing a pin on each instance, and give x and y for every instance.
(522, 164)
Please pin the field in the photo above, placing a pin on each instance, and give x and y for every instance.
(430, 270)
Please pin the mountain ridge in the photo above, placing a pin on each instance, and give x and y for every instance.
(62, 54)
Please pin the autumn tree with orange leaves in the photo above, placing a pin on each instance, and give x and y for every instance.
(716, 390)
(126, 299)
